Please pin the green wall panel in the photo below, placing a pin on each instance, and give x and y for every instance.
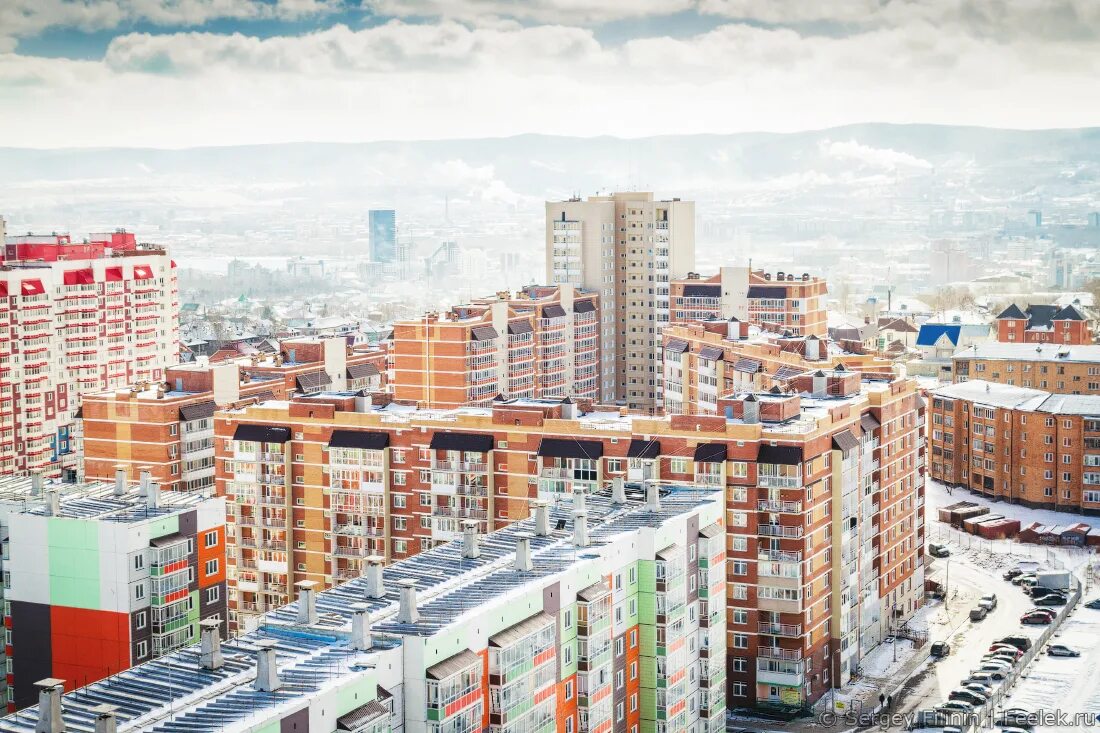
(73, 563)
(164, 526)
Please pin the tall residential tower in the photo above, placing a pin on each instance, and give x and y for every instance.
(383, 234)
(628, 247)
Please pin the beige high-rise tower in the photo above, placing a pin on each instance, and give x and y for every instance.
(627, 246)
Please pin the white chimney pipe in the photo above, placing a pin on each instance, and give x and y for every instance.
(618, 490)
(653, 496)
(105, 721)
(580, 528)
(360, 627)
(143, 484)
(53, 503)
(210, 651)
(751, 414)
(37, 482)
(152, 496)
(820, 383)
(470, 546)
(375, 587)
(49, 706)
(813, 348)
(267, 670)
(406, 611)
(524, 564)
(307, 602)
(120, 481)
(542, 517)
(580, 503)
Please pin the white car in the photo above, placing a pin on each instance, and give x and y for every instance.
(988, 677)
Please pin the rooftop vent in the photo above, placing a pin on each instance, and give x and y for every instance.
(37, 482)
(360, 627)
(152, 496)
(751, 410)
(580, 528)
(267, 671)
(307, 602)
(105, 721)
(375, 587)
(542, 517)
(653, 496)
(120, 480)
(618, 490)
(524, 563)
(210, 651)
(53, 503)
(470, 547)
(49, 706)
(406, 611)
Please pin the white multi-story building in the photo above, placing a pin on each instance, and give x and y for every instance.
(76, 318)
(629, 247)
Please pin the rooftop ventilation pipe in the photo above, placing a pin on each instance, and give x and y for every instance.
(653, 496)
(580, 528)
(120, 481)
(152, 496)
(210, 640)
(819, 384)
(542, 517)
(267, 670)
(37, 482)
(751, 415)
(53, 503)
(406, 611)
(105, 721)
(618, 490)
(146, 479)
(523, 563)
(49, 706)
(307, 602)
(360, 627)
(375, 587)
(470, 547)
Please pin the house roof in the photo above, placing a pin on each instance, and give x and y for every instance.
(699, 290)
(1012, 311)
(931, 333)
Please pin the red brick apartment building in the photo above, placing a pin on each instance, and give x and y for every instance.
(1023, 445)
(541, 342)
(708, 359)
(76, 317)
(823, 483)
(167, 427)
(1061, 368)
(1044, 324)
(782, 303)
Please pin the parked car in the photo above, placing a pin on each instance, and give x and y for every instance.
(955, 706)
(1006, 649)
(989, 601)
(1036, 619)
(1004, 661)
(927, 719)
(990, 664)
(974, 698)
(1012, 729)
(1037, 590)
(1001, 657)
(1050, 600)
(988, 677)
(1094, 604)
(1026, 577)
(938, 551)
(1023, 643)
(1016, 717)
(1046, 611)
(940, 649)
(978, 613)
(1013, 573)
(1061, 650)
(979, 688)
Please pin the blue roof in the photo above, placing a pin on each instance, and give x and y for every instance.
(930, 333)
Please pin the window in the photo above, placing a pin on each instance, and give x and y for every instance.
(398, 478)
(211, 567)
(740, 616)
(740, 689)
(568, 618)
(740, 664)
(140, 619)
(633, 671)
(399, 501)
(210, 539)
(620, 679)
(678, 465)
(139, 591)
(620, 711)
(213, 594)
(139, 561)
(740, 641)
(620, 646)
(633, 638)
(142, 650)
(400, 524)
(569, 690)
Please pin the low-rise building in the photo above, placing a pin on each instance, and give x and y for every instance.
(1023, 445)
(102, 576)
(603, 617)
(784, 302)
(539, 342)
(1044, 324)
(1060, 368)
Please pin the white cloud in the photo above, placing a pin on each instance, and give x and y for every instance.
(576, 12)
(884, 158)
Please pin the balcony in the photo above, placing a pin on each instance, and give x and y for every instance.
(775, 652)
(459, 512)
(768, 505)
(460, 466)
(779, 556)
(792, 631)
(346, 551)
(779, 482)
(780, 530)
(790, 675)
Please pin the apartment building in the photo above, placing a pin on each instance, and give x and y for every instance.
(167, 427)
(1060, 368)
(539, 342)
(1023, 445)
(102, 576)
(628, 247)
(326, 486)
(784, 303)
(604, 618)
(707, 360)
(76, 318)
(1044, 324)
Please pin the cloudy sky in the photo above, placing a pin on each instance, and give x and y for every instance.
(178, 73)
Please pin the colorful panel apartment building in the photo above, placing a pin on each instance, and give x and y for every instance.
(783, 303)
(1022, 445)
(539, 342)
(342, 484)
(167, 427)
(582, 618)
(74, 319)
(103, 576)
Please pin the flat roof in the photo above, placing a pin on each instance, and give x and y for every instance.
(1009, 396)
(94, 500)
(1031, 352)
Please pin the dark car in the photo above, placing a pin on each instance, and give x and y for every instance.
(1094, 604)
(978, 613)
(1014, 573)
(940, 649)
(976, 699)
(1023, 643)
(1052, 599)
(1061, 650)
(1017, 718)
(938, 551)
